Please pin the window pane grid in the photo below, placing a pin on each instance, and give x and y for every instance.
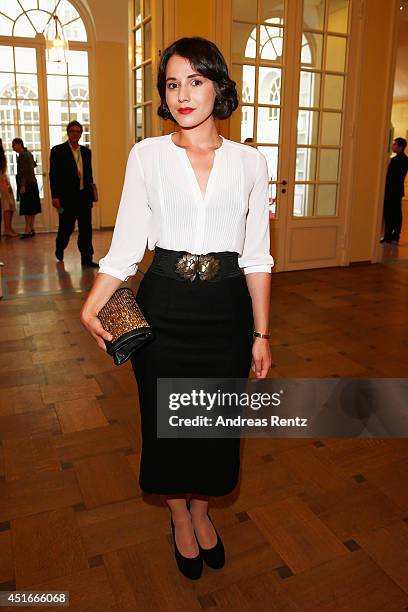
(68, 96)
(142, 89)
(19, 109)
(34, 18)
(67, 84)
(258, 40)
(320, 107)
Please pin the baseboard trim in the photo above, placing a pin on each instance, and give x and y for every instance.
(363, 262)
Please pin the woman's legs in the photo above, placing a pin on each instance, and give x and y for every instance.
(190, 524)
(8, 214)
(27, 228)
(203, 527)
(29, 224)
(184, 532)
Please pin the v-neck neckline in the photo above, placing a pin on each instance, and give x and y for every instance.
(185, 156)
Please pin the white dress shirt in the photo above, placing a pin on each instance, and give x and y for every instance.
(78, 160)
(162, 204)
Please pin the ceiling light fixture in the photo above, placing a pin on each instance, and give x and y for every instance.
(55, 41)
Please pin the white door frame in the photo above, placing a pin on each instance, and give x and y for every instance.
(288, 232)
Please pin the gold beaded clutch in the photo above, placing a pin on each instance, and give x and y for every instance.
(122, 317)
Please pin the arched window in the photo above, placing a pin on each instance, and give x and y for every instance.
(271, 40)
(30, 17)
(38, 97)
(258, 70)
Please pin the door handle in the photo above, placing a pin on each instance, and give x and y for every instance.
(283, 182)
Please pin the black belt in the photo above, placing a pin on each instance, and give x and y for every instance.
(184, 266)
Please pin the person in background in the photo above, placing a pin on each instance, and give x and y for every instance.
(27, 187)
(8, 203)
(394, 192)
(71, 189)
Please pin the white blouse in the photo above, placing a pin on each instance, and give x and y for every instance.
(162, 204)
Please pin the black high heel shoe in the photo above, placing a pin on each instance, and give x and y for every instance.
(214, 557)
(191, 568)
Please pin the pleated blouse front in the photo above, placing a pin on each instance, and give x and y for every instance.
(162, 204)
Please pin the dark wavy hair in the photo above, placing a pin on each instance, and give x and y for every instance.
(205, 57)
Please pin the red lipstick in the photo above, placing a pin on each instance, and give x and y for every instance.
(186, 110)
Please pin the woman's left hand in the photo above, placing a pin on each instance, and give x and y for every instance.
(22, 189)
(261, 357)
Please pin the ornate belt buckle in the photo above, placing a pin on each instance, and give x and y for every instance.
(186, 266)
(189, 265)
(208, 267)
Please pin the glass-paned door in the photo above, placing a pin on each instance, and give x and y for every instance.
(68, 96)
(289, 60)
(20, 109)
(320, 107)
(257, 64)
(142, 82)
(147, 26)
(38, 98)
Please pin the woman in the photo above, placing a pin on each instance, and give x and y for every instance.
(192, 192)
(27, 187)
(8, 203)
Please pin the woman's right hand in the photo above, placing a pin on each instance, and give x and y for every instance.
(93, 325)
(103, 288)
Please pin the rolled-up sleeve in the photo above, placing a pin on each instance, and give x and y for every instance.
(132, 224)
(256, 255)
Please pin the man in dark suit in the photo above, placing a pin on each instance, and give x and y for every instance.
(394, 192)
(72, 193)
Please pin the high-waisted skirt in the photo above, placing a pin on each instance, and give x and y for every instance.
(203, 329)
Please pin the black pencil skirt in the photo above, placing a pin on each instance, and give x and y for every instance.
(203, 330)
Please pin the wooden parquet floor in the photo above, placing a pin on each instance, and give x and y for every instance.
(315, 525)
